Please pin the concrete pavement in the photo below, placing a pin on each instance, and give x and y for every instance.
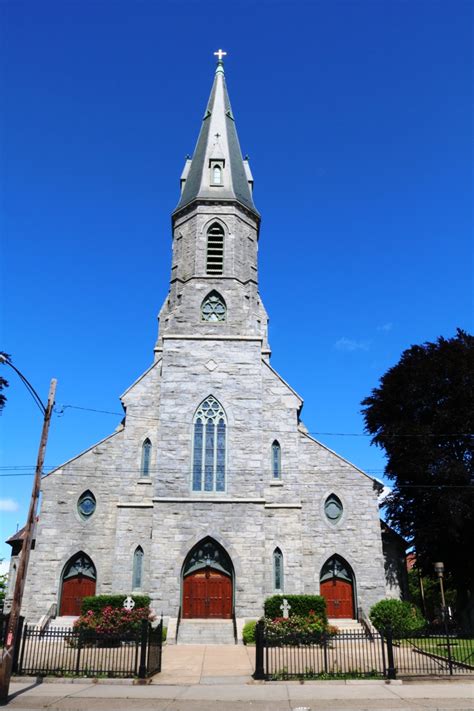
(218, 678)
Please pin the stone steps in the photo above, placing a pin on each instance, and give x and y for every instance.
(206, 632)
(346, 625)
(64, 621)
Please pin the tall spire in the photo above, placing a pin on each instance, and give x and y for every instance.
(217, 170)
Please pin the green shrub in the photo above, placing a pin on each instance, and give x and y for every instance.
(402, 617)
(96, 603)
(248, 632)
(113, 621)
(295, 630)
(301, 605)
(164, 633)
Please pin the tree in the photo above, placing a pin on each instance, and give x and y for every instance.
(422, 416)
(3, 382)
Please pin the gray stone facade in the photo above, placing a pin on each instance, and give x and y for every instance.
(257, 512)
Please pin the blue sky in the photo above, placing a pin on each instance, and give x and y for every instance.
(357, 118)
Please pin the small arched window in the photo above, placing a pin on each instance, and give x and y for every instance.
(213, 308)
(333, 508)
(216, 175)
(137, 568)
(277, 570)
(146, 458)
(86, 504)
(215, 249)
(209, 446)
(276, 460)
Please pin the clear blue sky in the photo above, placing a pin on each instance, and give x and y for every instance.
(357, 118)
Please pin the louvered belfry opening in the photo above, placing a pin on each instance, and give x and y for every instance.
(215, 249)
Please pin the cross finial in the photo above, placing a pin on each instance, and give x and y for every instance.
(219, 54)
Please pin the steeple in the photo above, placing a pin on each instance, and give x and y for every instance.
(217, 170)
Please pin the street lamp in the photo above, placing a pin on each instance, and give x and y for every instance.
(12, 632)
(439, 570)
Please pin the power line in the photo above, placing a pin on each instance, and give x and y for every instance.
(123, 415)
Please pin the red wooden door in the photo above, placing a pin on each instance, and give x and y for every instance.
(73, 591)
(339, 597)
(206, 594)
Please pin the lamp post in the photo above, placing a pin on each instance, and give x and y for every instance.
(439, 570)
(11, 640)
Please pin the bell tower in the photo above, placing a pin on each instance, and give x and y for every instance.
(214, 272)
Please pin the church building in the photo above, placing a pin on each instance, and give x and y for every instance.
(211, 495)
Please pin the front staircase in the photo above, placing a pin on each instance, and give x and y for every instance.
(62, 622)
(206, 632)
(346, 624)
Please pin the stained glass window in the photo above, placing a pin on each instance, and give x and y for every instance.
(146, 458)
(276, 460)
(86, 504)
(137, 568)
(213, 308)
(277, 569)
(209, 446)
(333, 508)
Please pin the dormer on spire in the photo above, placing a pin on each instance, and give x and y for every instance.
(217, 170)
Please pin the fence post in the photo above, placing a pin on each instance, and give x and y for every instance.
(448, 643)
(160, 642)
(19, 668)
(391, 671)
(143, 649)
(259, 647)
(325, 651)
(79, 647)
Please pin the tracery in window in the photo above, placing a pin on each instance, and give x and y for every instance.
(209, 446)
(215, 249)
(137, 568)
(277, 570)
(213, 308)
(146, 458)
(86, 504)
(333, 508)
(276, 460)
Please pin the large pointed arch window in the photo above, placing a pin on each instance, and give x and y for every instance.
(146, 458)
(277, 570)
(137, 575)
(213, 307)
(209, 446)
(215, 249)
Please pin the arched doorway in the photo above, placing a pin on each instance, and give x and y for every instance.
(77, 582)
(207, 582)
(337, 587)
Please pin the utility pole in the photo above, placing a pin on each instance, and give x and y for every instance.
(11, 641)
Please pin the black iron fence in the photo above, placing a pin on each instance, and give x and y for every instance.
(70, 652)
(355, 654)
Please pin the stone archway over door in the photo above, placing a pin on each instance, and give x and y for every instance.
(207, 582)
(337, 588)
(78, 581)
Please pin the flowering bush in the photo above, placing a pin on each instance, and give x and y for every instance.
(298, 629)
(113, 621)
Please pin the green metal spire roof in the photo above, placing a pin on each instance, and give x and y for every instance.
(217, 140)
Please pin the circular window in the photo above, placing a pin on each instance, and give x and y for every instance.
(333, 508)
(86, 504)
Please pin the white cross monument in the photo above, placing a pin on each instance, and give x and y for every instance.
(129, 603)
(285, 607)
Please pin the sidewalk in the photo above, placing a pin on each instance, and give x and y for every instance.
(218, 678)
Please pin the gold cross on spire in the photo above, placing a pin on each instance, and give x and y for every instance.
(219, 54)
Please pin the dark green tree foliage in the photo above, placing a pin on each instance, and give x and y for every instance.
(3, 384)
(96, 603)
(300, 605)
(422, 415)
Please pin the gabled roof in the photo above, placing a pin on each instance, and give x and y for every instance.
(218, 140)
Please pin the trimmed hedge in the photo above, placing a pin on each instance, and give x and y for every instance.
(401, 616)
(248, 632)
(96, 603)
(300, 605)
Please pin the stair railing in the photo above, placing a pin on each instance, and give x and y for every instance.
(46, 619)
(234, 624)
(177, 625)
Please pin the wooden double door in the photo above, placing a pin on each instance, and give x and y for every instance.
(207, 593)
(73, 591)
(339, 596)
